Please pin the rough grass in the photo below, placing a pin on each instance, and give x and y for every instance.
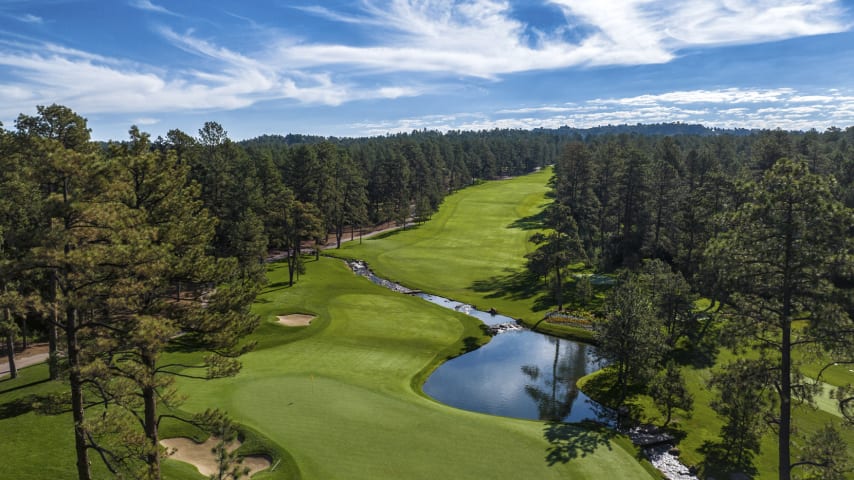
(339, 396)
(39, 445)
(699, 431)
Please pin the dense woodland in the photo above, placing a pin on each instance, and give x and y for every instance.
(112, 252)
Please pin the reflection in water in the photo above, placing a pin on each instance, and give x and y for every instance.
(555, 394)
(520, 374)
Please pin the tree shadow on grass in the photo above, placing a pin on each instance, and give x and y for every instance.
(515, 285)
(396, 231)
(50, 404)
(698, 355)
(20, 387)
(17, 407)
(721, 462)
(699, 350)
(568, 442)
(472, 343)
(533, 222)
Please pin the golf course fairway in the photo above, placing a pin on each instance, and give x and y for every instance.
(338, 394)
(472, 250)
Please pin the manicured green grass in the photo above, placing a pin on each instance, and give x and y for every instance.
(472, 250)
(338, 394)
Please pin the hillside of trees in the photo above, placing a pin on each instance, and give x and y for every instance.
(113, 251)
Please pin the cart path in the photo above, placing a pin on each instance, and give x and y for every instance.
(31, 356)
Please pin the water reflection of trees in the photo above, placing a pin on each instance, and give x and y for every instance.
(555, 392)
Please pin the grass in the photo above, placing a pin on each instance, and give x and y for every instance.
(700, 430)
(37, 445)
(472, 250)
(339, 394)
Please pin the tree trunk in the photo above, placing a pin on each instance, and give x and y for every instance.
(784, 459)
(25, 333)
(292, 264)
(84, 471)
(785, 401)
(52, 333)
(10, 349)
(149, 395)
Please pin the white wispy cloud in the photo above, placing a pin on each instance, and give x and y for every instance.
(146, 121)
(30, 18)
(148, 6)
(94, 83)
(727, 95)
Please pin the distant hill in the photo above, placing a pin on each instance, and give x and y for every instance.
(652, 129)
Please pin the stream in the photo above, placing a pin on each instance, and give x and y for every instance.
(521, 373)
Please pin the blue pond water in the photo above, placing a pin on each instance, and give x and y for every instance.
(520, 373)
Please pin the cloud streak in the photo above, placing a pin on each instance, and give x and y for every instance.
(784, 108)
(148, 6)
(30, 18)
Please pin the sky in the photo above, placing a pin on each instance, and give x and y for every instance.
(373, 67)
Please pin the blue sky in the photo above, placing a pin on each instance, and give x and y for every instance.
(370, 67)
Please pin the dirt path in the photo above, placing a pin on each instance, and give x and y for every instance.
(36, 354)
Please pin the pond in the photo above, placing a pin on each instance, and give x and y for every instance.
(520, 373)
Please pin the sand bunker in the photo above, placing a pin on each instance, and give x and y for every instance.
(201, 456)
(296, 320)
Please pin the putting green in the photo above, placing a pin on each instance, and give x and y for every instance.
(338, 393)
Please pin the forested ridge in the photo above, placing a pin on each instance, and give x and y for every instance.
(112, 252)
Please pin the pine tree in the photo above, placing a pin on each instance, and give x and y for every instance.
(778, 259)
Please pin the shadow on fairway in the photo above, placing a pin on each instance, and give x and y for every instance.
(532, 222)
(397, 231)
(20, 387)
(516, 285)
(50, 404)
(568, 442)
(723, 461)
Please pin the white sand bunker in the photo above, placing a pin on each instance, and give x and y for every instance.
(201, 456)
(296, 320)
